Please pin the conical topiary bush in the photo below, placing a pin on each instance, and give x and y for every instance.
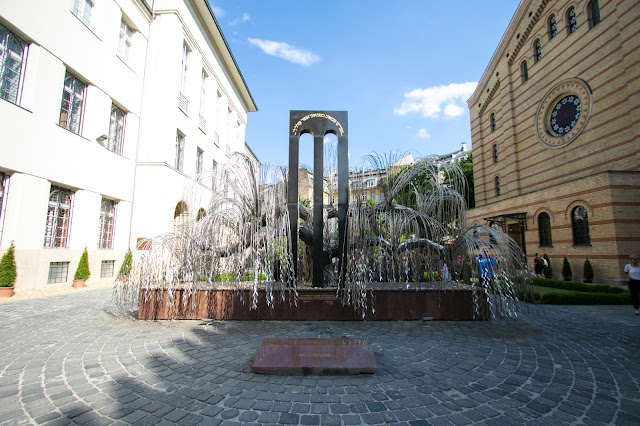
(125, 268)
(8, 271)
(82, 272)
(587, 272)
(566, 270)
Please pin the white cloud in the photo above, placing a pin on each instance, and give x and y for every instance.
(285, 51)
(217, 10)
(422, 134)
(429, 102)
(244, 18)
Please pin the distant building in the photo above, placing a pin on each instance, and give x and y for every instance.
(555, 134)
(110, 109)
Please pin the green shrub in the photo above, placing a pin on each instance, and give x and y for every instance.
(125, 268)
(226, 276)
(8, 271)
(587, 272)
(576, 286)
(83, 273)
(581, 298)
(566, 270)
(547, 271)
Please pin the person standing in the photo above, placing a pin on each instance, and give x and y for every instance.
(538, 266)
(633, 272)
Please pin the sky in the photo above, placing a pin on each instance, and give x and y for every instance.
(403, 69)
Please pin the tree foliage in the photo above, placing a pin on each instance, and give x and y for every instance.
(566, 270)
(125, 268)
(587, 272)
(83, 273)
(8, 271)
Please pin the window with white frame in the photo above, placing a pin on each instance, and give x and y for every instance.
(371, 183)
(56, 233)
(73, 96)
(12, 53)
(58, 272)
(116, 129)
(83, 10)
(125, 40)
(199, 163)
(179, 151)
(106, 268)
(183, 102)
(106, 225)
(202, 122)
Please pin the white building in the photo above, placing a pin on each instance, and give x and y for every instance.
(109, 110)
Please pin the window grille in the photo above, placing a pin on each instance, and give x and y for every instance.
(544, 229)
(495, 153)
(497, 184)
(58, 272)
(572, 20)
(493, 122)
(73, 96)
(580, 226)
(538, 50)
(4, 190)
(216, 139)
(116, 129)
(58, 217)
(553, 27)
(83, 9)
(106, 225)
(12, 50)
(106, 268)
(227, 150)
(199, 161)
(124, 45)
(202, 123)
(179, 151)
(214, 170)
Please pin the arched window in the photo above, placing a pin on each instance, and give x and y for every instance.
(525, 71)
(594, 13)
(181, 214)
(553, 27)
(538, 50)
(572, 22)
(493, 122)
(544, 229)
(495, 153)
(201, 213)
(580, 226)
(497, 184)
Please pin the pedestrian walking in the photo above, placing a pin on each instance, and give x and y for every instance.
(633, 272)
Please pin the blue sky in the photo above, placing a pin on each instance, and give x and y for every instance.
(402, 69)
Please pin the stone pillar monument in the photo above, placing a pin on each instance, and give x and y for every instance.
(318, 124)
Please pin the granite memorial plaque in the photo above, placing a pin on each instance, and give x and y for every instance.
(319, 357)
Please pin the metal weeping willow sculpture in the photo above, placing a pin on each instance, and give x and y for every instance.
(416, 237)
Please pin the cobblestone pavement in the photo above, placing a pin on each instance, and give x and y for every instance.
(70, 360)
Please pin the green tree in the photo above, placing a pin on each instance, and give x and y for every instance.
(125, 268)
(466, 165)
(566, 270)
(587, 272)
(8, 271)
(305, 202)
(83, 273)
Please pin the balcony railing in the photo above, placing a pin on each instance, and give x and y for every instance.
(202, 123)
(183, 102)
(216, 139)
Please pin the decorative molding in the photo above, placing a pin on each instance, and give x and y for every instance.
(543, 210)
(572, 205)
(490, 97)
(527, 32)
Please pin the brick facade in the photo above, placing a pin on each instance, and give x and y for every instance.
(594, 164)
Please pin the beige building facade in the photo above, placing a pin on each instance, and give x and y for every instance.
(555, 124)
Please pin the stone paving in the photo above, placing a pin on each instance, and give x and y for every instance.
(71, 359)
